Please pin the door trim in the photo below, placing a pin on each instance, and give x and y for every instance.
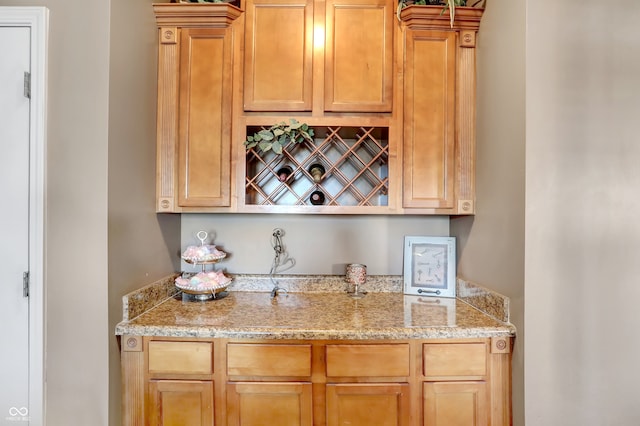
(37, 19)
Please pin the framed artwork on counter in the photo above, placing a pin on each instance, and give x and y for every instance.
(430, 266)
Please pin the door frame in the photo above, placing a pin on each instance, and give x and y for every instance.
(37, 19)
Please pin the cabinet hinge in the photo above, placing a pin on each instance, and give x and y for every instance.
(27, 84)
(25, 284)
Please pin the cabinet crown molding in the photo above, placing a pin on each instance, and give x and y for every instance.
(431, 17)
(201, 15)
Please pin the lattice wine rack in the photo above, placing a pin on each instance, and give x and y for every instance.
(345, 166)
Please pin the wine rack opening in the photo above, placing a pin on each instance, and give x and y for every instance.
(344, 166)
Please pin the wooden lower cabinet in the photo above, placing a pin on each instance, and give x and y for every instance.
(255, 382)
(368, 404)
(264, 404)
(180, 403)
(455, 404)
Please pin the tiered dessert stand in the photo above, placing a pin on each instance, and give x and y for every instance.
(206, 284)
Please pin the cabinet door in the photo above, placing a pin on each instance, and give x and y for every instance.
(180, 403)
(455, 404)
(368, 404)
(204, 158)
(265, 404)
(278, 55)
(429, 127)
(359, 55)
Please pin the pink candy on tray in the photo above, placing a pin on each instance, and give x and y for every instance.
(203, 253)
(204, 281)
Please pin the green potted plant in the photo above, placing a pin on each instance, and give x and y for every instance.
(447, 5)
(277, 136)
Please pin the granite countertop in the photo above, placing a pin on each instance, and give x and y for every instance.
(322, 310)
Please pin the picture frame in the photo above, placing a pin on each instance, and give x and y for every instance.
(430, 266)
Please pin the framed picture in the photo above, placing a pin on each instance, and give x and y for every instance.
(430, 266)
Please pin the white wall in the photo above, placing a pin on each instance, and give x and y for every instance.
(582, 204)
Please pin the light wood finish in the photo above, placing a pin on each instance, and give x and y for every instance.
(359, 55)
(500, 379)
(455, 360)
(181, 357)
(278, 55)
(257, 404)
(204, 157)
(133, 384)
(338, 388)
(456, 193)
(368, 360)
(328, 63)
(429, 132)
(268, 360)
(455, 404)
(368, 404)
(180, 403)
(195, 52)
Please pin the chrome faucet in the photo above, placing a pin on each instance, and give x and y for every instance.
(276, 290)
(280, 259)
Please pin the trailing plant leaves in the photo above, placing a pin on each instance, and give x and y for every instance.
(277, 147)
(294, 124)
(265, 146)
(279, 135)
(265, 135)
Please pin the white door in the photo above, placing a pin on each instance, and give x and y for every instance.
(14, 225)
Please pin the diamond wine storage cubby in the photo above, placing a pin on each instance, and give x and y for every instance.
(353, 169)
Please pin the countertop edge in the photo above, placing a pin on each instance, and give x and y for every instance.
(507, 330)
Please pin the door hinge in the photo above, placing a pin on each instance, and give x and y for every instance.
(25, 284)
(27, 84)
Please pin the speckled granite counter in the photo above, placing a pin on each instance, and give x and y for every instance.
(249, 312)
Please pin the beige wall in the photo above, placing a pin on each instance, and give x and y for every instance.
(581, 184)
(491, 244)
(582, 204)
(76, 365)
(100, 191)
(319, 244)
(141, 243)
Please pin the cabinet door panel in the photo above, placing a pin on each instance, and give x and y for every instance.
(264, 404)
(180, 403)
(455, 404)
(368, 404)
(278, 55)
(358, 73)
(205, 117)
(429, 132)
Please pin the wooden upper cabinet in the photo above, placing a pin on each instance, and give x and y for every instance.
(307, 56)
(278, 55)
(359, 55)
(195, 58)
(205, 117)
(429, 132)
(439, 109)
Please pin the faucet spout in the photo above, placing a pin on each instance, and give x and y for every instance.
(276, 290)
